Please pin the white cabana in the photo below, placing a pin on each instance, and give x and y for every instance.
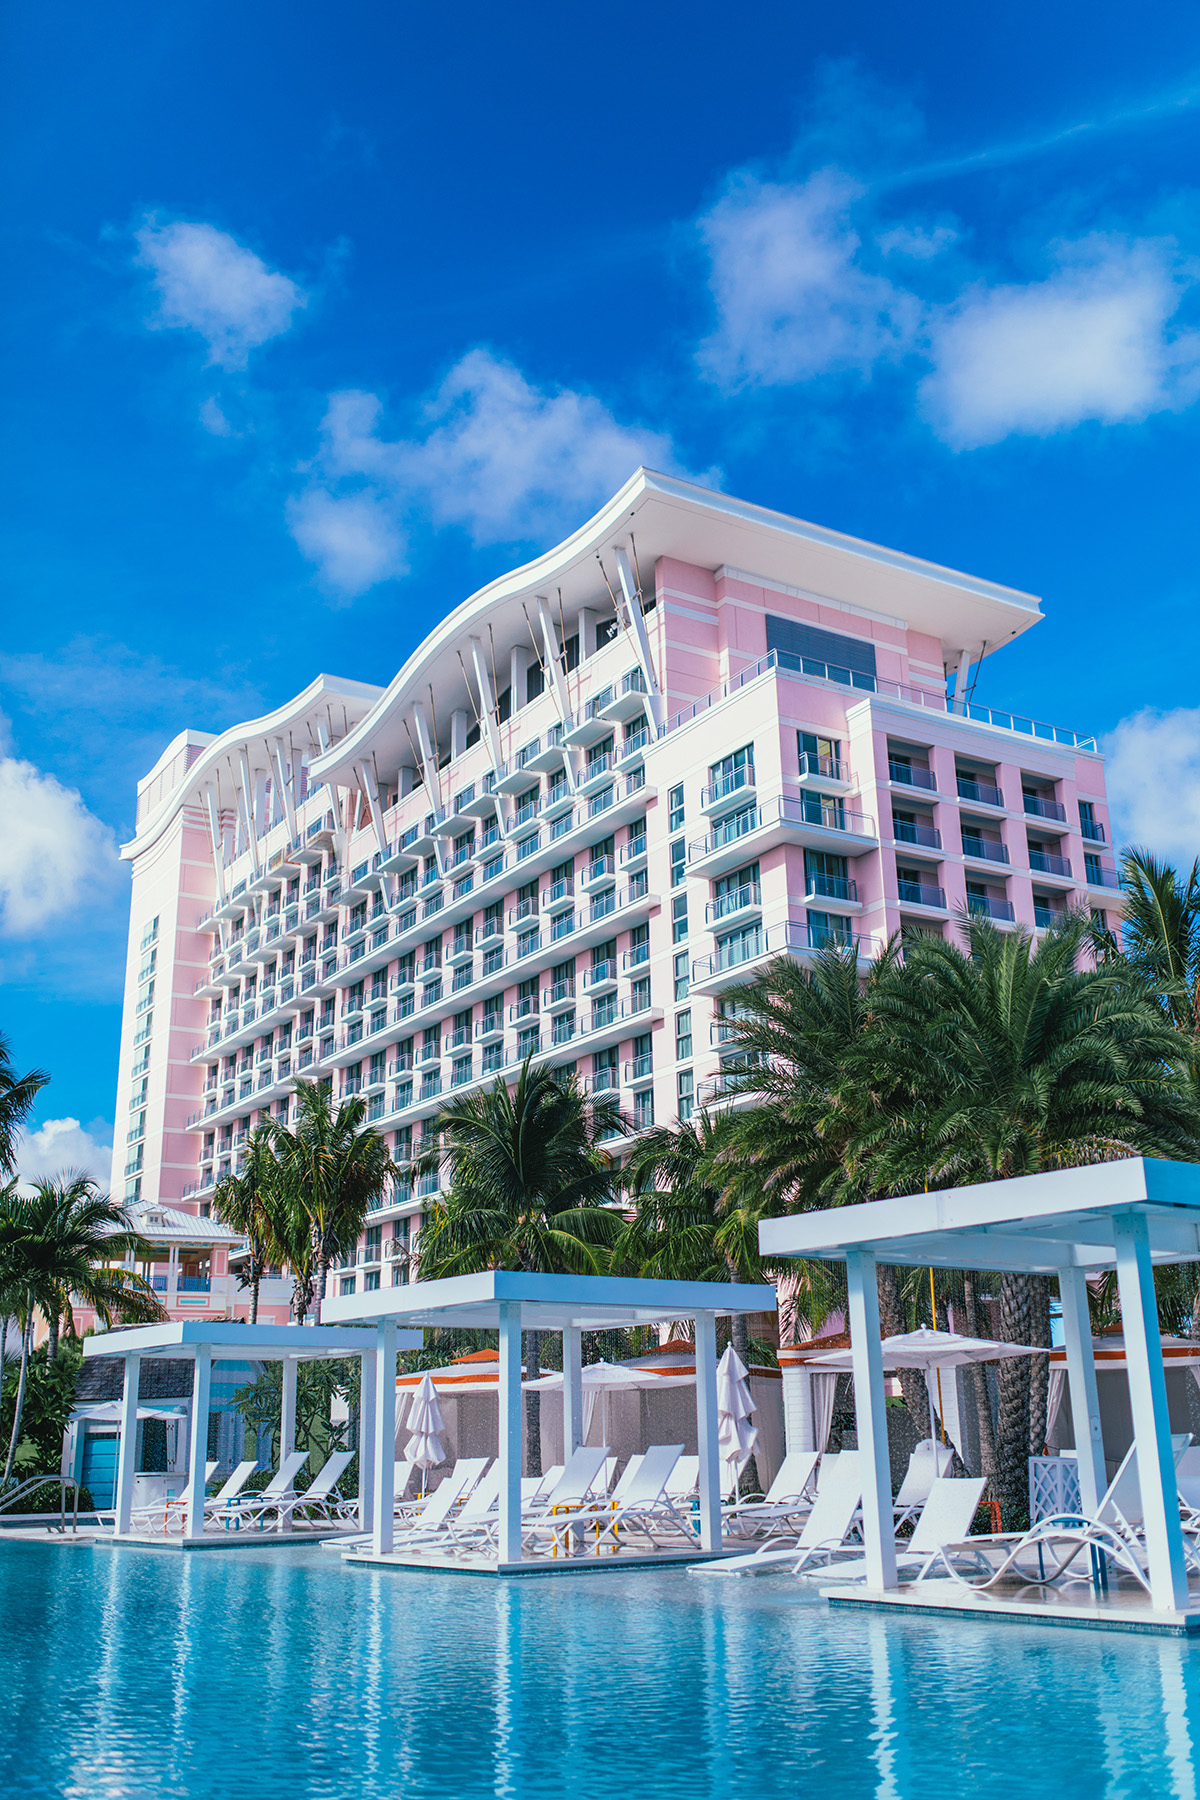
(1070, 1223)
(510, 1301)
(203, 1343)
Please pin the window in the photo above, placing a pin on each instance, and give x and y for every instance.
(527, 1041)
(826, 874)
(683, 1035)
(679, 919)
(682, 974)
(824, 753)
(348, 1284)
(685, 1089)
(606, 632)
(639, 994)
(535, 683)
(643, 1108)
(571, 653)
(604, 1069)
(731, 765)
(678, 862)
(370, 1281)
(827, 654)
(1099, 918)
(675, 808)
(493, 1058)
(354, 998)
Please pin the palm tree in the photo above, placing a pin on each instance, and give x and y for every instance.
(252, 1204)
(17, 1095)
(530, 1188)
(1160, 932)
(331, 1169)
(61, 1242)
(1011, 1058)
(801, 1032)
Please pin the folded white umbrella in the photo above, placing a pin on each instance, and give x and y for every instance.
(425, 1421)
(735, 1434)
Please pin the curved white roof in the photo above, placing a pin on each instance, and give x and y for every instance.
(675, 518)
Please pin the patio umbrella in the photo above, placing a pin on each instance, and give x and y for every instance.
(933, 1351)
(602, 1378)
(424, 1423)
(735, 1434)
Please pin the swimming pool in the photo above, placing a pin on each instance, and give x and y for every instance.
(280, 1674)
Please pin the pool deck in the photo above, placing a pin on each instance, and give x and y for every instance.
(219, 1540)
(469, 1563)
(1122, 1608)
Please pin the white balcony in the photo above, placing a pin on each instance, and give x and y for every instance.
(742, 961)
(730, 790)
(802, 819)
(827, 774)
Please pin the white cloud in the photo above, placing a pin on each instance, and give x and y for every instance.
(794, 293)
(353, 539)
(61, 1145)
(209, 283)
(1092, 341)
(1153, 781)
(58, 857)
(503, 459)
(920, 242)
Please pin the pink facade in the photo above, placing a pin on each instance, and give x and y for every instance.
(580, 814)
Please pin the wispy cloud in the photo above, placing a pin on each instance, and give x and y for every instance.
(208, 283)
(492, 454)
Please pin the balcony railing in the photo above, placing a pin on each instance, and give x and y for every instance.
(834, 887)
(984, 793)
(1044, 864)
(916, 893)
(983, 849)
(776, 940)
(1041, 808)
(1093, 830)
(982, 906)
(727, 904)
(827, 768)
(907, 832)
(907, 776)
(1100, 875)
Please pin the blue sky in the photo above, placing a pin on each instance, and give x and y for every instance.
(316, 318)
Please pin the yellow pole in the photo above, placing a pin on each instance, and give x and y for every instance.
(937, 1371)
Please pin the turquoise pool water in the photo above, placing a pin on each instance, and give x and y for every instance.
(282, 1676)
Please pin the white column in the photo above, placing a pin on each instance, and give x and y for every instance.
(1081, 1384)
(797, 1407)
(366, 1444)
(385, 1436)
(1151, 1424)
(198, 1449)
(706, 1431)
(572, 1358)
(287, 1410)
(509, 1545)
(127, 1455)
(870, 1416)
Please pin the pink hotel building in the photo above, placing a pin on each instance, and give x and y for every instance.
(607, 787)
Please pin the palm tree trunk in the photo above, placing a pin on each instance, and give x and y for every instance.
(26, 1337)
(1013, 1382)
(533, 1404)
(254, 1281)
(891, 1324)
(52, 1339)
(1039, 1366)
(983, 1405)
(322, 1279)
(5, 1322)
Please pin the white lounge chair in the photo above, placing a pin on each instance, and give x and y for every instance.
(437, 1507)
(224, 1503)
(464, 1474)
(320, 1496)
(685, 1478)
(825, 1531)
(786, 1501)
(253, 1508)
(945, 1518)
(171, 1511)
(1066, 1546)
(645, 1507)
(928, 1462)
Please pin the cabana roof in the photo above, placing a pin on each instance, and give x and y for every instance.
(1035, 1223)
(231, 1339)
(550, 1302)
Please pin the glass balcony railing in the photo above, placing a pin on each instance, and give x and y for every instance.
(983, 906)
(1041, 808)
(984, 793)
(907, 775)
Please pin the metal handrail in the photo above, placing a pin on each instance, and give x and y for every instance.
(32, 1483)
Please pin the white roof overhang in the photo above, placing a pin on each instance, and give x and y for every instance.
(1035, 1223)
(550, 1302)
